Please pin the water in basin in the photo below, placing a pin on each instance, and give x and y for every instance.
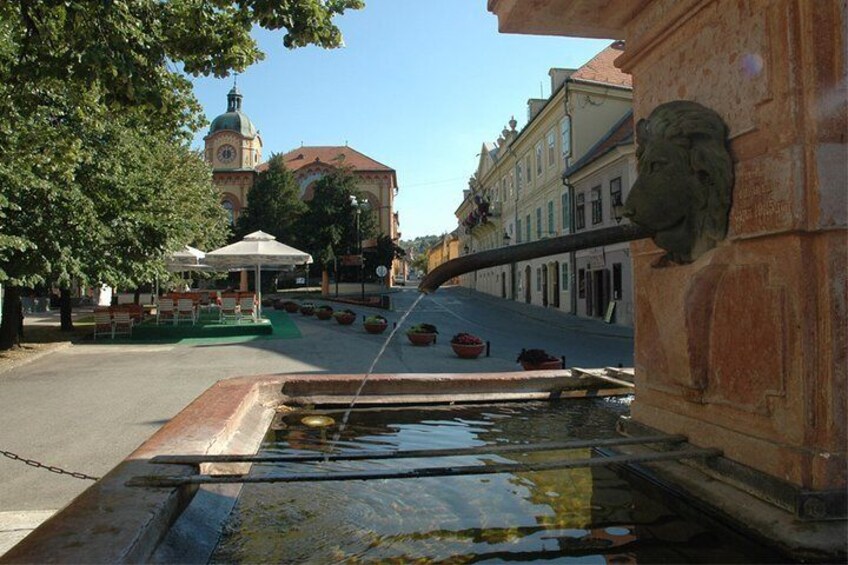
(576, 515)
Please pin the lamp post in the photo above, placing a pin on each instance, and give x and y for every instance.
(355, 203)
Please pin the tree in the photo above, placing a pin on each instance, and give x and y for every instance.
(273, 204)
(329, 225)
(421, 263)
(385, 253)
(76, 74)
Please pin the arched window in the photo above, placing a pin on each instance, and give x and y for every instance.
(228, 206)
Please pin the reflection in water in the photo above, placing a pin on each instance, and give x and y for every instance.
(580, 515)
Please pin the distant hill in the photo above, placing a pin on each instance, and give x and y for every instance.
(419, 244)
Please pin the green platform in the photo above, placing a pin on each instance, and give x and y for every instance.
(208, 330)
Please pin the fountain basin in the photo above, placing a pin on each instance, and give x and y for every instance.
(113, 522)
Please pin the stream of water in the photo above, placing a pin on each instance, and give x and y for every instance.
(388, 340)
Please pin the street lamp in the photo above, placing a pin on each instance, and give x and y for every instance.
(618, 211)
(356, 206)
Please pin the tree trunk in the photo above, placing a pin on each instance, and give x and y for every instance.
(325, 282)
(65, 310)
(137, 296)
(11, 329)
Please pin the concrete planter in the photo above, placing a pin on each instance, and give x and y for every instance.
(291, 307)
(421, 339)
(544, 365)
(375, 328)
(307, 310)
(345, 319)
(323, 314)
(468, 351)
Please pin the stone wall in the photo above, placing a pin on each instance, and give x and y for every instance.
(745, 349)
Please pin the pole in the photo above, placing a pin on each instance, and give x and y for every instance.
(361, 257)
(258, 285)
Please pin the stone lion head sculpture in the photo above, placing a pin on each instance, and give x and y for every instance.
(685, 181)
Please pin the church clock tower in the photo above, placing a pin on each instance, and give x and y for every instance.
(233, 148)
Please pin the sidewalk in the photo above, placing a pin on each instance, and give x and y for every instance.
(556, 318)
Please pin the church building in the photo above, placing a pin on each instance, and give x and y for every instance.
(233, 148)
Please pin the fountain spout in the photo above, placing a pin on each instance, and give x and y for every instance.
(525, 251)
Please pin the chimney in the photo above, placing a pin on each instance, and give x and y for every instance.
(534, 106)
(558, 77)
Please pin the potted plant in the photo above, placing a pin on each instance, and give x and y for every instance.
(538, 359)
(467, 346)
(375, 324)
(422, 334)
(278, 304)
(290, 306)
(324, 312)
(345, 317)
(307, 309)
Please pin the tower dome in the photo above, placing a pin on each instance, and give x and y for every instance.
(234, 119)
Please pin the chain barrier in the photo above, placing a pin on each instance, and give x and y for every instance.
(51, 468)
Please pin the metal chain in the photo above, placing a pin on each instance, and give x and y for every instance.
(51, 468)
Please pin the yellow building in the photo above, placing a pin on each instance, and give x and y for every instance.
(442, 251)
(233, 147)
(518, 194)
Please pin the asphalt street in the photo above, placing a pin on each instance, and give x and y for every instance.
(86, 407)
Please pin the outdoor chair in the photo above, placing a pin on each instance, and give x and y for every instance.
(165, 310)
(186, 311)
(229, 309)
(122, 323)
(247, 308)
(103, 323)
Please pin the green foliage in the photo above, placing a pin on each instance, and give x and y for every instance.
(387, 251)
(422, 329)
(420, 244)
(273, 204)
(329, 225)
(96, 178)
(420, 263)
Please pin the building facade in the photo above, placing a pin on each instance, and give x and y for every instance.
(519, 194)
(442, 251)
(233, 147)
(601, 181)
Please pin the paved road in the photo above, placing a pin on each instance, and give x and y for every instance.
(88, 406)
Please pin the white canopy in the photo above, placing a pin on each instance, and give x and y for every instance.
(257, 250)
(187, 259)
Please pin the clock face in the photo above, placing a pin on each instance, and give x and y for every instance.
(226, 153)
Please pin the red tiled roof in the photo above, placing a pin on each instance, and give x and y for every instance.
(336, 156)
(601, 68)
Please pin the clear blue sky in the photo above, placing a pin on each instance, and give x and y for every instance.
(419, 87)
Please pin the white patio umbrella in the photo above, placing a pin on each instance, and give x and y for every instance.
(257, 250)
(187, 259)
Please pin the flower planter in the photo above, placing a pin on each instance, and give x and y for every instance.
(544, 365)
(291, 307)
(468, 351)
(375, 328)
(306, 311)
(345, 319)
(323, 314)
(421, 338)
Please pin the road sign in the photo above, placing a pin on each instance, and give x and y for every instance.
(382, 271)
